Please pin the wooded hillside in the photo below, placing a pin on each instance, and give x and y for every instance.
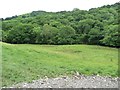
(97, 26)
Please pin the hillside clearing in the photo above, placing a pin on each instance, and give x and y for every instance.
(27, 62)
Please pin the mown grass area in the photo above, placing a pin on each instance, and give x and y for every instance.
(26, 62)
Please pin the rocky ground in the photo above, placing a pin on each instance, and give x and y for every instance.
(78, 81)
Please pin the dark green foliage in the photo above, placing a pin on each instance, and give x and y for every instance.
(48, 34)
(96, 26)
(22, 33)
(111, 36)
(9, 18)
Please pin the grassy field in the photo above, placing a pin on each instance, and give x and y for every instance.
(26, 62)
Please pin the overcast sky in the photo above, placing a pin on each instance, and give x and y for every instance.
(16, 7)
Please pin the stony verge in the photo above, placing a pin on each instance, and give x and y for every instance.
(80, 81)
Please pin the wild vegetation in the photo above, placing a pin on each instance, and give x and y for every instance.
(27, 62)
(98, 26)
(55, 43)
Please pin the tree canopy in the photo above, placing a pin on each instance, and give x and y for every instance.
(97, 26)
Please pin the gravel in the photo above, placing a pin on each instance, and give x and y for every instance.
(76, 81)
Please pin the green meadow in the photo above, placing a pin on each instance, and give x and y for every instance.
(27, 62)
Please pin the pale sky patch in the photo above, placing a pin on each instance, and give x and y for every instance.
(10, 8)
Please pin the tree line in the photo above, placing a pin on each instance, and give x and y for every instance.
(98, 26)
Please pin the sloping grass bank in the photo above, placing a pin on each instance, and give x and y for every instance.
(26, 62)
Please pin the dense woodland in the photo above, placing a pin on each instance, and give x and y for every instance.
(97, 26)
